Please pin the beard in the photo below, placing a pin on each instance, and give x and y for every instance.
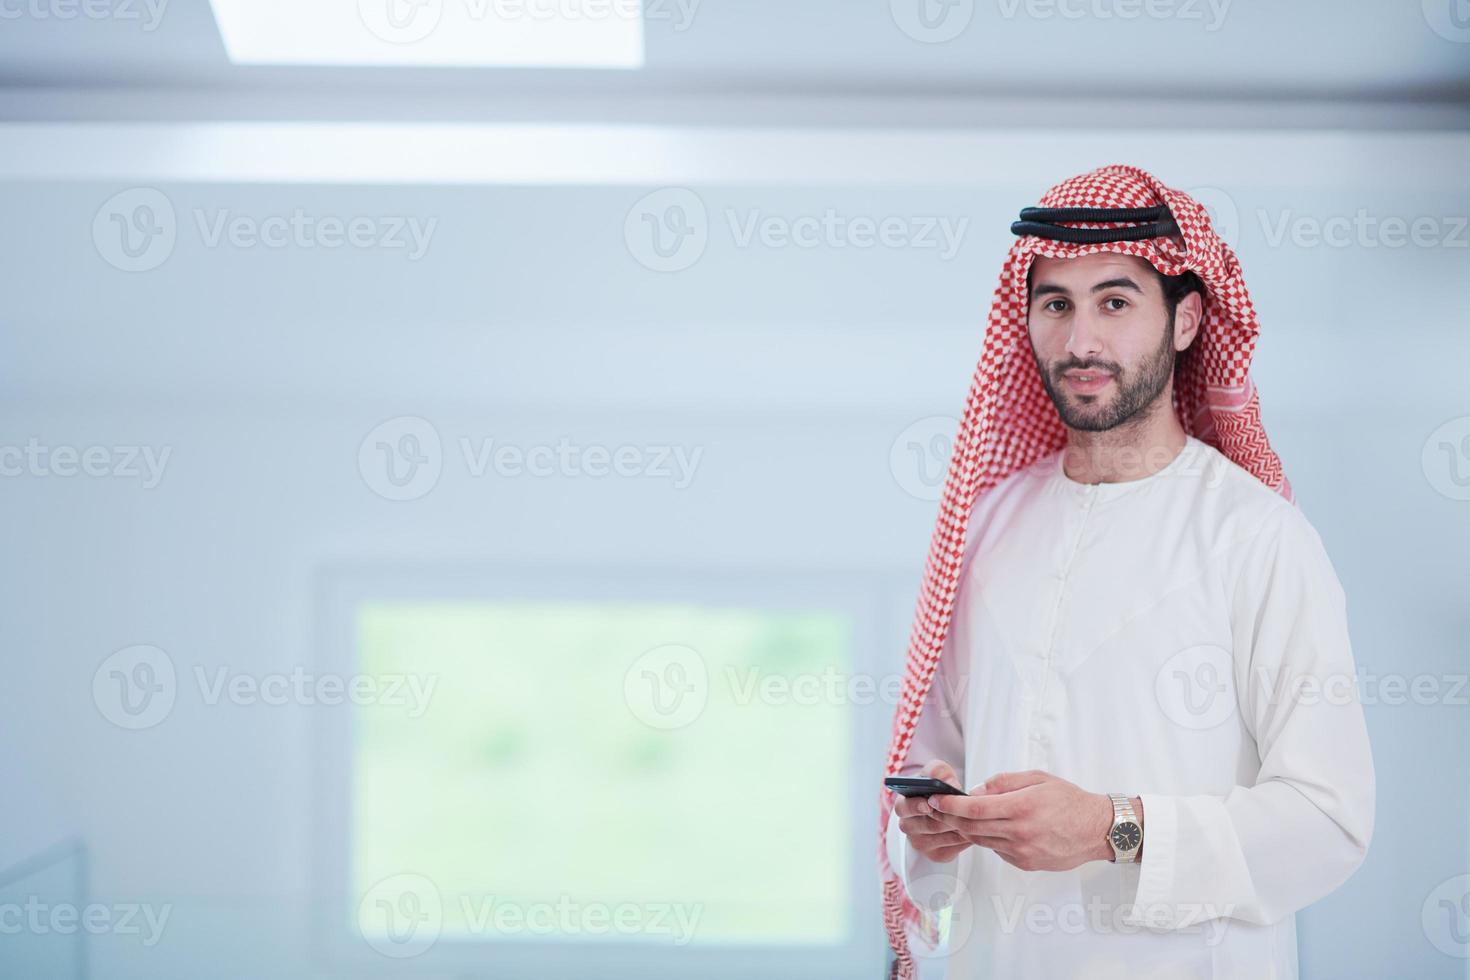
(1137, 388)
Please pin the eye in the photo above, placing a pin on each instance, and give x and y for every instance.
(1054, 305)
(1122, 303)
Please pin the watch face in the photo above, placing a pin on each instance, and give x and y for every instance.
(1126, 836)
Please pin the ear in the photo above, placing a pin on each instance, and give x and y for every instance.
(1188, 316)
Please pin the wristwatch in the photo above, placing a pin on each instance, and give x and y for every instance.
(1125, 834)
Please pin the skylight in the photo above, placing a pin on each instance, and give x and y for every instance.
(436, 33)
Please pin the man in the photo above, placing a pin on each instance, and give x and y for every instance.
(1131, 649)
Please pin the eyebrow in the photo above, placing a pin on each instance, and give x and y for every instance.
(1121, 282)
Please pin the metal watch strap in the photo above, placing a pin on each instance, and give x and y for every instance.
(1122, 810)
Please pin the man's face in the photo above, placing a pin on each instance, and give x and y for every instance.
(1102, 338)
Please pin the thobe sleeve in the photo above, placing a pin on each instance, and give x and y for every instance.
(1263, 851)
(938, 735)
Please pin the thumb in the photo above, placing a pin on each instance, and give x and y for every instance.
(941, 770)
(1005, 782)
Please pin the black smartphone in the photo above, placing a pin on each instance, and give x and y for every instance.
(921, 786)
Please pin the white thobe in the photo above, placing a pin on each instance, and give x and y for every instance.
(1180, 638)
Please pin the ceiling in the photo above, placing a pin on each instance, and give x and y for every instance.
(1046, 61)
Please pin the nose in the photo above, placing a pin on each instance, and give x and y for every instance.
(1084, 341)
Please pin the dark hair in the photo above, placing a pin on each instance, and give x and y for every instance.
(1177, 287)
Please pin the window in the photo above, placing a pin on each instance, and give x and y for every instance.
(657, 774)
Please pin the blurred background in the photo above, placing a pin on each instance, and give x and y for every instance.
(468, 463)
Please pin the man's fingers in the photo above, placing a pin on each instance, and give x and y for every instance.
(1008, 830)
(944, 855)
(917, 806)
(985, 807)
(1005, 782)
(908, 807)
(994, 843)
(940, 769)
(955, 813)
(923, 826)
(943, 849)
(948, 838)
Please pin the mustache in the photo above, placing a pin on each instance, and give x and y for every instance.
(1064, 366)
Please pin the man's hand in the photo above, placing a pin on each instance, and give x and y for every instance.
(1033, 820)
(920, 825)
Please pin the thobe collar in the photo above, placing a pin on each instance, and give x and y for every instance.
(1194, 457)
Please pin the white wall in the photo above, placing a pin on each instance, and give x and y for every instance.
(529, 319)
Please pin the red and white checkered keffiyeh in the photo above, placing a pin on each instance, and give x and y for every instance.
(1009, 422)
